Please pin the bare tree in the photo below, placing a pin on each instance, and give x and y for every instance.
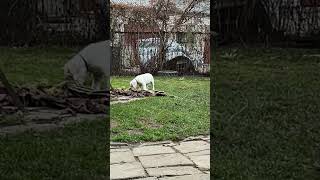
(161, 18)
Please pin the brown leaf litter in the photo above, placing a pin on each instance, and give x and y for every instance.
(69, 97)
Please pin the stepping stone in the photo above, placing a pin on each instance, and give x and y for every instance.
(42, 116)
(81, 117)
(199, 153)
(172, 171)
(121, 157)
(193, 138)
(43, 127)
(14, 129)
(29, 127)
(118, 144)
(206, 138)
(150, 150)
(202, 162)
(192, 146)
(188, 177)
(148, 178)
(126, 170)
(118, 150)
(175, 159)
(164, 143)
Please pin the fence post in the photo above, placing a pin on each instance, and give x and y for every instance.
(104, 19)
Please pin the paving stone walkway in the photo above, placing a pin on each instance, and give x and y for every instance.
(185, 160)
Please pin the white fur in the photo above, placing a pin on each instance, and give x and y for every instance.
(77, 70)
(97, 57)
(142, 80)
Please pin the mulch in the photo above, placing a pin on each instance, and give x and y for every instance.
(69, 97)
(136, 93)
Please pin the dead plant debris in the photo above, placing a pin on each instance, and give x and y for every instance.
(69, 97)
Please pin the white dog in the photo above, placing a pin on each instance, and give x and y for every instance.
(142, 80)
(79, 67)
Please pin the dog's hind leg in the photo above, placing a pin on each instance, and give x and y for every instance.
(152, 85)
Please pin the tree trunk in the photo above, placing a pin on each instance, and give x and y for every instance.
(162, 50)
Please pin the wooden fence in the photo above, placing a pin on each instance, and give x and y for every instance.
(267, 20)
(64, 22)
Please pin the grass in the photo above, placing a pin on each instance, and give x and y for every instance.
(75, 152)
(163, 118)
(265, 114)
(265, 110)
(34, 65)
(79, 151)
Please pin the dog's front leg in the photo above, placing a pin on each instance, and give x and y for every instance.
(144, 86)
(96, 83)
(80, 78)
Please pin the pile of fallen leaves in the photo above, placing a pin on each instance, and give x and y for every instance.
(64, 96)
(68, 97)
(135, 93)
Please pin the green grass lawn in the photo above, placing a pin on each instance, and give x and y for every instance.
(265, 112)
(34, 65)
(79, 151)
(163, 118)
(75, 152)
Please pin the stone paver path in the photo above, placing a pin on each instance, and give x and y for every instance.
(185, 160)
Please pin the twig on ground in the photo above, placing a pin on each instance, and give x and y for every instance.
(240, 111)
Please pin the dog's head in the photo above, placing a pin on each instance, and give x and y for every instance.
(75, 70)
(67, 74)
(133, 84)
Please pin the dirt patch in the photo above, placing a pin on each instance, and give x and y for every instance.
(113, 124)
(150, 123)
(125, 96)
(130, 93)
(135, 132)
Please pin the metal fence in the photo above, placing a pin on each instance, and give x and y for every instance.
(137, 52)
(61, 22)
